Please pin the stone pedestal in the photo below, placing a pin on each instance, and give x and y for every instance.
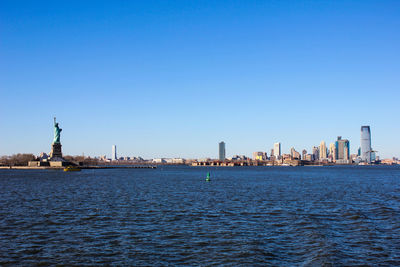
(38, 164)
(56, 153)
(59, 163)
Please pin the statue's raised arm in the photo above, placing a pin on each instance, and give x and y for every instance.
(57, 132)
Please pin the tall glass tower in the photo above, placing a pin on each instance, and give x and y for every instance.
(114, 153)
(277, 150)
(222, 151)
(342, 147)
(366, 144)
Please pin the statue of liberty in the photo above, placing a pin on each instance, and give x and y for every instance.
(57, 132)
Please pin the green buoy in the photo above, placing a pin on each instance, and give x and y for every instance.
(208, 179)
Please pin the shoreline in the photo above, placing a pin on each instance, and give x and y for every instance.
(161, 165)
(80, 167)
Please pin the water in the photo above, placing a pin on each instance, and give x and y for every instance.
(245, 216)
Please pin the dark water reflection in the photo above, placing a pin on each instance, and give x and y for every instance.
(171, 216)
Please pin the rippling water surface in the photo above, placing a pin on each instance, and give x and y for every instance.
(171, 216)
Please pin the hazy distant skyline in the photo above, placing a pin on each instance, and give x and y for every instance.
(173, 79)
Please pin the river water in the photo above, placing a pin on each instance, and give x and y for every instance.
(246, 216)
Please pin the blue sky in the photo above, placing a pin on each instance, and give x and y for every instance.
(173, 78)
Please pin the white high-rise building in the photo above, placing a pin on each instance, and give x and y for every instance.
(114, 152)
(332, 151)
(322, 150)
(277, 150)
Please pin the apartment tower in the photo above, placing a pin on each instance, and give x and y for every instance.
(114, 153)
(222, 155)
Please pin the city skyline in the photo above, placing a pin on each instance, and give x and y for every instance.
(338, 152)
(163, 79)
(339, 148)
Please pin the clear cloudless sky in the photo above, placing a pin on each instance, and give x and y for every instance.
(174, 78)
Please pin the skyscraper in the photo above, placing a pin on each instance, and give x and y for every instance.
(332, 152)
(366, 144)
(222, 155)
(292, 152)
(304, 154)
(114, 153)
(322, 150)
(315, 152)
(277, 150)
(342, 150)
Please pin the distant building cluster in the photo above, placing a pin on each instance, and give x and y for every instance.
(115, 159)
(338, 152)
(169, 161)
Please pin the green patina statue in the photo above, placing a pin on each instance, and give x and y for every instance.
(57, 131)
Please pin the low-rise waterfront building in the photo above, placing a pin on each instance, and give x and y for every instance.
(239, 157)
(309, 157)
(259, 155)
(159, 160)
(392, 161)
